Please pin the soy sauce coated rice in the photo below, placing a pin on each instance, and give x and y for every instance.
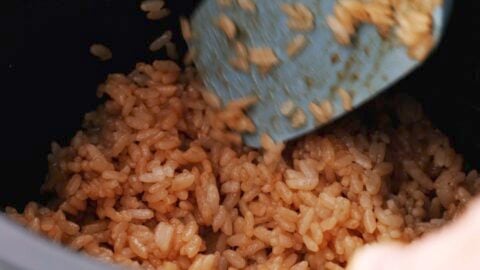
(158, 179)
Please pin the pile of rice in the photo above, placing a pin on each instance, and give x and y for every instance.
(159, 179)
(411, 20)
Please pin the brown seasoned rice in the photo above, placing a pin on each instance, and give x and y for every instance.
(300, 17)
(185, 29)
(227, 26)
(248, 5)
(152, 5)
(240, 61)
(327, 108)
(159, 179)
(171, 49)
(298, 118)
(263, 57)
(346, 99)
(240, 64)
(101, 51)
(189, 57)
(225, 3)
(287, 107)
(297, 44)
(155, 15)
(161, 41)
(318, 113)
(411, 20)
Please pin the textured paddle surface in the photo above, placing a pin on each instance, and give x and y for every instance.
(365, 68)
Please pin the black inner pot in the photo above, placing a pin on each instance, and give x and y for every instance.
(51, 78)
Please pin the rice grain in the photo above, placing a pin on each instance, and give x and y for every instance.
(298, 43)
(159, 179)
(161, 41)
(247, 5)
(102, 52)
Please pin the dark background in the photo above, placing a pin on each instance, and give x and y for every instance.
(49, 78)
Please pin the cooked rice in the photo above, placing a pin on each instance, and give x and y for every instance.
(318, 113)
(171, 49)
(297, 44)
(189, 57)
(263, 57)
(287, 107)
(341, 34)
(185, 29)
(411, 20)
(299, 17)
(298, 118)
(152, 5)
(227, 26)
(161, 41)
(240, 61)
(155, 9)
(327, 108)
(240, 64)
(225, 3)
(248, 5)
(346, 99)
(101, 51)
(158, 178)
(158, 14)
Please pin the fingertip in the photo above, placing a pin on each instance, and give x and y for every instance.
(377, 257)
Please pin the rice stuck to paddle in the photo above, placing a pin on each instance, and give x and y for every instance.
(159, 179)
(411, 20)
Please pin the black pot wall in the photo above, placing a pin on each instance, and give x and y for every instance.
(51, 78)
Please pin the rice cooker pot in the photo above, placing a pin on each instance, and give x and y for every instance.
(51, 80)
